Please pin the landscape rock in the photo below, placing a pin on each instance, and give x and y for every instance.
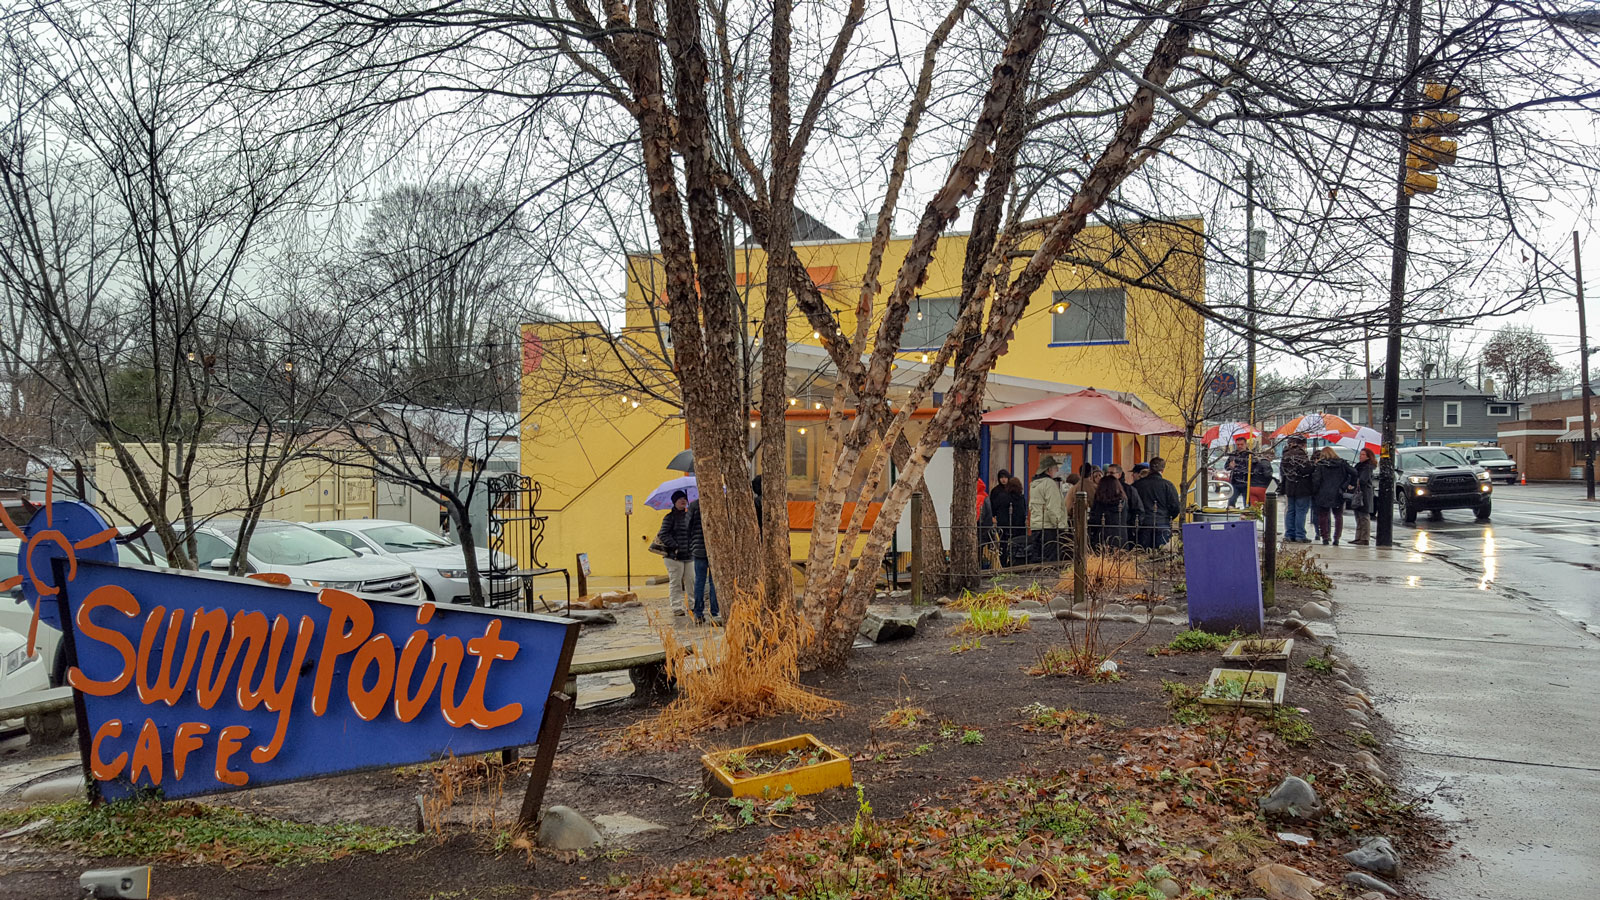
(1113, 609)
(1139, 610)
(1344, 686)
(564, 828)
(1163, 610)
(881, 626)
(1377, 855)
(1028, 605)
(1299, 840)
(1362, 879)
(1169, 887)
(54, 790)
(1128, 618)
(1281, 882)
(1357, 716)
(591, 616)
(1169, 620)
(1315, 610)
(1293, 799)
(616, 598)
(623, 825)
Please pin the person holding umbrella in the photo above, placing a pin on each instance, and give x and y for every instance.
(1295, 469)
(676, 537)
(1239, 463)
(1366, 464)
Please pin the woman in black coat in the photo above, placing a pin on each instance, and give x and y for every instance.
(1010, 510)
(1329, 478)
(1106, 512)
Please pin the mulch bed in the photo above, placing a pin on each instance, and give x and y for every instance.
(901, 771)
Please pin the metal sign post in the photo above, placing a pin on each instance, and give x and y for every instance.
(627, 531)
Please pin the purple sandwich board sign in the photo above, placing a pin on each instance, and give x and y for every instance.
(1222, 575)
(190, 684)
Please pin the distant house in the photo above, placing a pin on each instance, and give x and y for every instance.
(1547, 442)
(1458, 411)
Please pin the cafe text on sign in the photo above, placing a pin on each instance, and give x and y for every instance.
(194, 684)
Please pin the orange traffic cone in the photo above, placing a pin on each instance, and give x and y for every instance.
(1524, 478)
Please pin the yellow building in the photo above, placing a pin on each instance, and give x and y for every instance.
(601, 420)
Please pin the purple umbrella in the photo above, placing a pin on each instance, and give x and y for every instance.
(661, 497)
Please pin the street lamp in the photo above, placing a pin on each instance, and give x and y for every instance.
(1427, 371)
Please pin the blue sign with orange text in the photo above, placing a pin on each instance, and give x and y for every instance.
(194, 684)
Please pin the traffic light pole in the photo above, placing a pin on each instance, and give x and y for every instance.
(1397, 288)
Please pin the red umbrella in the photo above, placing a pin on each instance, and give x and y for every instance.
(1086, 410)
(1223, 435)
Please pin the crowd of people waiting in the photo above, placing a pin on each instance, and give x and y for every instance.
(1132, 508)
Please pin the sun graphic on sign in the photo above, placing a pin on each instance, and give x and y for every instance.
(49, 534)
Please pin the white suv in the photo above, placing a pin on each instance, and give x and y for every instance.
(305, 556)
(1500, 466)
(440, 564)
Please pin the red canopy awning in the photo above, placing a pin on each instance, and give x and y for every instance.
(1086, 410)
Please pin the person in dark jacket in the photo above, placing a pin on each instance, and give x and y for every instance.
(1329, 478)
(1133, 509)
(1110, 498)
(1141, 528)
(1366, 467)
(755, 488)
(1161, 503)
(676, 537)
(1295, 470)
(702, 567)
(1010, 508)
(1239, 470)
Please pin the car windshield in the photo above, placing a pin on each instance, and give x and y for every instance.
(8, 564)
(292, 545)
(1442, 456)
(405, 538)
(1492, 453)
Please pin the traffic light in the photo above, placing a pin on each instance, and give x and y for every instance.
(1428, 149)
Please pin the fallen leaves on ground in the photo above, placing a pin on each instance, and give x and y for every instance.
(1174, 802)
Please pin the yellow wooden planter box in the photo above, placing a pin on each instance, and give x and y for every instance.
(1272, 682)
(832, 770)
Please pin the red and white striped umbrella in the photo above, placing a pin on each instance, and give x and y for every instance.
(1314, 425)
(1361, 437)
(1222, 435)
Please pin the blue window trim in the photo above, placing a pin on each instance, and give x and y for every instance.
(1087, 343)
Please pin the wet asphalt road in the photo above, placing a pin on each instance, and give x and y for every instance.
(1542, 543)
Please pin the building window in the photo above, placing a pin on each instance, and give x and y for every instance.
(1405, 413)
(1499, 409)
(1545, 448)
(1452, 414)
(1092, 316)
(938, 319)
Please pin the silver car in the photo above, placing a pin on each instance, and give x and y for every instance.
(440, 564)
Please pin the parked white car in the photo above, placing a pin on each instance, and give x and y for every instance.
(306, 557)
(440, 564)
(16, 615)
(20, 673)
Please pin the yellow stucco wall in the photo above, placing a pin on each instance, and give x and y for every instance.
(589, 444)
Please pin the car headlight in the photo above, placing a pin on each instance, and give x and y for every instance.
(335, 585)
(1483, 476)
(13, 660)
(453, 574)
(1417, 479)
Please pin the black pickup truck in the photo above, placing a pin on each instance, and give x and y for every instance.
(1438, 478)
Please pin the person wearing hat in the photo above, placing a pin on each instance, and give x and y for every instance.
(1047, 511)
(1295, 470)
(677, 538)
(1239, 463)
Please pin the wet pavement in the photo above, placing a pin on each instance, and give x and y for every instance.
(1481, 647)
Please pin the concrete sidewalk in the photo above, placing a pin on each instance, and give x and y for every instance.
(1493, 700)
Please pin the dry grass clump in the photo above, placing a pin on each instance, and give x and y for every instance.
(479, 782)
(1108, 570)
(992, 621)
(992, 599)
(747, 670)
(904, 718)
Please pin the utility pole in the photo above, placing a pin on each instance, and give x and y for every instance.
(1397, 286)
(1583, 374)
(1366, 349)
(1250, 278)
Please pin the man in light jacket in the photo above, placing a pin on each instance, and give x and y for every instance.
(1047, 511)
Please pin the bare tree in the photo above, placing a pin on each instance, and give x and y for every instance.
(1523, 360)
